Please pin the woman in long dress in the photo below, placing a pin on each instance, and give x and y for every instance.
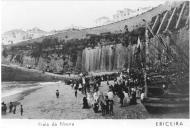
(126, 99)
(90, 99)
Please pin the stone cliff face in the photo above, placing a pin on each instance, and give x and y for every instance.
(112, 52)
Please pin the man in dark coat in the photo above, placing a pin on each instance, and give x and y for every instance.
(14, 109)
(76, 93)
(10, 107)
(133, 99)
(85, 102)
(57, 93)
(21, 110)
(96, 107)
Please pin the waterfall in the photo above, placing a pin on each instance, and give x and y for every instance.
(106, 58)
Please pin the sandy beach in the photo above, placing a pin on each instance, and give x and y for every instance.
(43, 104)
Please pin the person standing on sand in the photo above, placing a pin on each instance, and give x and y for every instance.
(10, 107)
(107, 104)
(5, 108)
(121, 96)
(21, 110)
(103, 107)
(126, 99)
(96, 107)
(133, 100)
(2, 107)
(83, 84)
(80, 87)
(76, 93)
(110, 95)
(108, 83)
(57, 93)
(110, 107)
(142, 96)
(14, 109)
(85, 103)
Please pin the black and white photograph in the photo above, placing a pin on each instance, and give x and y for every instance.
(77, 60)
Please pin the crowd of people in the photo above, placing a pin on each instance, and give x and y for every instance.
(12, 108)
(127, 87)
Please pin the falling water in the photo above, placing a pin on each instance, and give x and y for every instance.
(106, 58)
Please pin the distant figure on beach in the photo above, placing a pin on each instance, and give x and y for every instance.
(2, 104)
(110, 107)
(126, 99)
(21, 110)
(102, 103)
(103, 107)
(108, 83)
(14, 109)
(85, 102)
(76, 85)
(110, 95)
(57, 93)
(95, 96)
(83, 85)
(3, 108)
(96, 107)
(107, 104)
(80, 87)
(76, 93)
(133, 100)
(121, 96)
(142, 96)
(10, 107)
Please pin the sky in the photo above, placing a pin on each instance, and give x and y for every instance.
(56, 15)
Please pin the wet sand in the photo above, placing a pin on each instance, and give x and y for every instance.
(43, 104)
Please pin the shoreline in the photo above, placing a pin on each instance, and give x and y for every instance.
(34, 86)
(15, 98)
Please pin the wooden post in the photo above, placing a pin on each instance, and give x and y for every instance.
(187, 21)
(155, 23)
(171, 18)
(180, 15)
(163, 20)
(146, 60)
(145, 83)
